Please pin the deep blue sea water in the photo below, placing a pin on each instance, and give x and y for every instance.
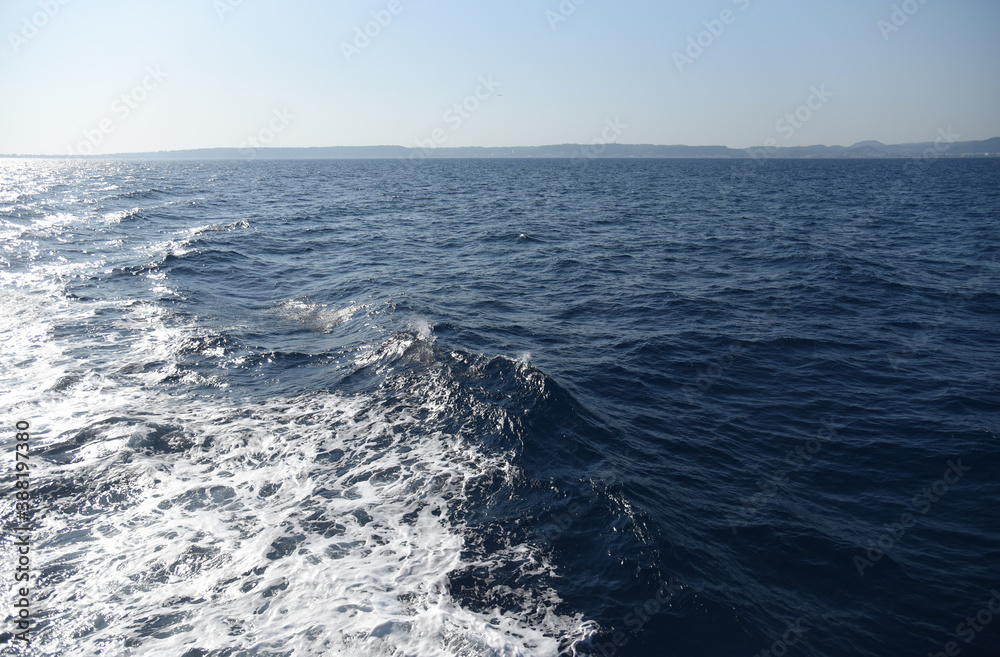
(646, 408)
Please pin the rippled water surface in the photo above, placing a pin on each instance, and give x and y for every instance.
(504, 408)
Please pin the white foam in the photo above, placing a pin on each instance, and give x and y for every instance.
(370, 535)
(140, 534)
(424, 330)
(316, 317)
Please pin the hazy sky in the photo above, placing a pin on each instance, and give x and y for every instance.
(109, 76)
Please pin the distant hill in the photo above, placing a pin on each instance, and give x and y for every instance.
(864, 149)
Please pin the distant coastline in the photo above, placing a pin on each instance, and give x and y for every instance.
(865, 149)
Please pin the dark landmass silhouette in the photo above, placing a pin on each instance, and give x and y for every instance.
(865, 149)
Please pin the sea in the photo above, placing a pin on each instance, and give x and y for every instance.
(500, 408)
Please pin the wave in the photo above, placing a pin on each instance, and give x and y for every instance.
(315, 317)
(336, 522)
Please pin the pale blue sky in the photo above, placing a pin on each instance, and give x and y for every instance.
(230, 78)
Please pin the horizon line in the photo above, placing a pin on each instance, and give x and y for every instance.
(768, 147)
